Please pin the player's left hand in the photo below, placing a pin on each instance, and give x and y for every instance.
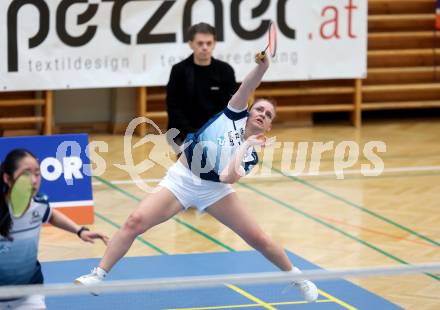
(255, 140)
(90, 236)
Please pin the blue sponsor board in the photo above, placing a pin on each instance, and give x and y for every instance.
(64, 164)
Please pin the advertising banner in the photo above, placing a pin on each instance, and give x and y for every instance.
(61, 44)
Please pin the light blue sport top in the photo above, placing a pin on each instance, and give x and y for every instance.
(211, 148)
(18, 258)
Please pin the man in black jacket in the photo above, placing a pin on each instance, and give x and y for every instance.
(199, 86)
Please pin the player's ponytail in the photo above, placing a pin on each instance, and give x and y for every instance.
(5, 217)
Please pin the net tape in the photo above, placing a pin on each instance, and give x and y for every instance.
(209, 281)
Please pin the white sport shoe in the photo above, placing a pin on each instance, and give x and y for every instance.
(308, 289)
(96, 276)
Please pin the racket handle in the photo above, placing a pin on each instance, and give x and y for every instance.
(261, 55)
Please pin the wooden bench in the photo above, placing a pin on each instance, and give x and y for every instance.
(402, 40)
(26, 112)
(403, 22)
(311, 96)
(401, 75)
(403, 56)
(376, 7)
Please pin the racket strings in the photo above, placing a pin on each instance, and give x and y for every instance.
(271, 47)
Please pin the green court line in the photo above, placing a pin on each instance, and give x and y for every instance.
(282, 204)
(359, 207)
(182, 222)
(367, 178)
(149, 244)
(360, 158)
(388, 176)
(142, 240)
(210, 238)
(330, 226)
(354, 177)
(117, 188)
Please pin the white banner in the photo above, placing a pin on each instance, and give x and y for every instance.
(58, 44)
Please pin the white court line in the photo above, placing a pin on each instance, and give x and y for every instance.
(322, 173)
(71, 204)
(122, 182)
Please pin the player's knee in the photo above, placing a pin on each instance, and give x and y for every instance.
(134, 224)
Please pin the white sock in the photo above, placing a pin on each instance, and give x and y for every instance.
(101, 272)
(296, 271)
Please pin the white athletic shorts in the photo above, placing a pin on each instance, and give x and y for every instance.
(190, 190)
(33, 302)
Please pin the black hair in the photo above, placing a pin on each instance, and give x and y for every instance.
(8, 167)
(200, 28)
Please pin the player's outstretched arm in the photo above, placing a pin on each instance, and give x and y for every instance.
(61, 221)
(250, 83)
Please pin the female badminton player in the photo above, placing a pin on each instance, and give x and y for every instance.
(19, 235)
(217, 155)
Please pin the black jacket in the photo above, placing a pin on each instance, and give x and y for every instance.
(188, 106)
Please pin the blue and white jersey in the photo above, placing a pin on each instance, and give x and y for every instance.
(211, 148)
(18, 258)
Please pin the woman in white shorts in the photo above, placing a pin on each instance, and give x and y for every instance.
(217, 155)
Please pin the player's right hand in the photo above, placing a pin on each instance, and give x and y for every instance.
(261, 58)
